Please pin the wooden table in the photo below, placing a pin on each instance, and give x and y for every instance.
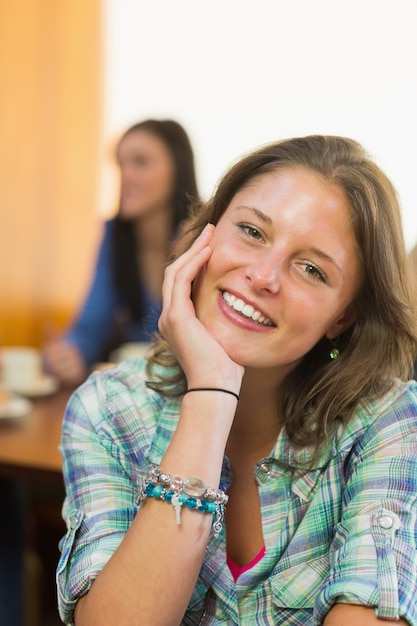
(30, 458)
(29, 444)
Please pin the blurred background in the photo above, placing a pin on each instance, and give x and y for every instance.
(74, 74)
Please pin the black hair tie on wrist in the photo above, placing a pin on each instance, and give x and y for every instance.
(232, 393)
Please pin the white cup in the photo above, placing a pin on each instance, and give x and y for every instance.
(20, 366)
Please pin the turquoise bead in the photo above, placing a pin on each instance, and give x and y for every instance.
(157, 491)
(182, 498)
(168, 495)
(191, 503)
(211, 507)
(149, 489)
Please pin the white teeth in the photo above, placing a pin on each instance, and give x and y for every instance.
(238, 305)
(246, 309)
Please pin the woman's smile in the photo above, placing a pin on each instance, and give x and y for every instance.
(247, 310)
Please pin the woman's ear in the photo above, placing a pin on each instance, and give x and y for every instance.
(344, 322)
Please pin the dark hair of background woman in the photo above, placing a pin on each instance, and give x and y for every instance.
(185, 192)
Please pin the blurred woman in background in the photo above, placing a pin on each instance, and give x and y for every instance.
(158, 181)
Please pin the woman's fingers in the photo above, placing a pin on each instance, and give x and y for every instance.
(183, 271)
(178, 322)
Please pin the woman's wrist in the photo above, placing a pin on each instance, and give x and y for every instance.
(208, 416)
(198, 445)
(231, 382)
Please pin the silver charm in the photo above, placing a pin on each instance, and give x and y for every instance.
(177, 506)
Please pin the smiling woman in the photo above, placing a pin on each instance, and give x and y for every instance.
(291, 468)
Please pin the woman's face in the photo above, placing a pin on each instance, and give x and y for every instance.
(147, 174)
(284, 270)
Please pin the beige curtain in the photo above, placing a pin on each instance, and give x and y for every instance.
(50, 108)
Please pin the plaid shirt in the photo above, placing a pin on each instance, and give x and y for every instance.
(344, 532)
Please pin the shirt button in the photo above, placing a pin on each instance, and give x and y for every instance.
(265, 468)
(385, 521)
(75, 519)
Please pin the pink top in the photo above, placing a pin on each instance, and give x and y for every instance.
(237, 570)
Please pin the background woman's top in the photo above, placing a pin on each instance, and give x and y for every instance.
(344, 531)
(103, 322)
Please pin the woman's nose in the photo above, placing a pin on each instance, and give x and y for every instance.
(264, 275)
(128, 172)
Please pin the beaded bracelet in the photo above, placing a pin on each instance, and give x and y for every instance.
(194, 487)
(181, 499)
(186, 492)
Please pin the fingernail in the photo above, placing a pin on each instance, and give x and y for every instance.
(205, 229)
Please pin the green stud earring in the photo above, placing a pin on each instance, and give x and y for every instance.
(334, 353)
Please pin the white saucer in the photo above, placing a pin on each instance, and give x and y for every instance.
(15, 407)
(40, 387)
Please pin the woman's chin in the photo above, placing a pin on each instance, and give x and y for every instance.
(240, 354)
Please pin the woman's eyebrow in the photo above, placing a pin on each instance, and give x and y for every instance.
(325, 257)
(262, 216)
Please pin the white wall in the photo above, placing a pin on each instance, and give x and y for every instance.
(239, 73)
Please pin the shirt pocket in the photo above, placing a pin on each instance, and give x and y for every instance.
(297, 586)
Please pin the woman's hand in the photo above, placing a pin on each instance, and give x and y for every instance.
(64, 360)
(204, 361)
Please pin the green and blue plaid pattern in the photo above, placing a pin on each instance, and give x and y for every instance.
(344, 532)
